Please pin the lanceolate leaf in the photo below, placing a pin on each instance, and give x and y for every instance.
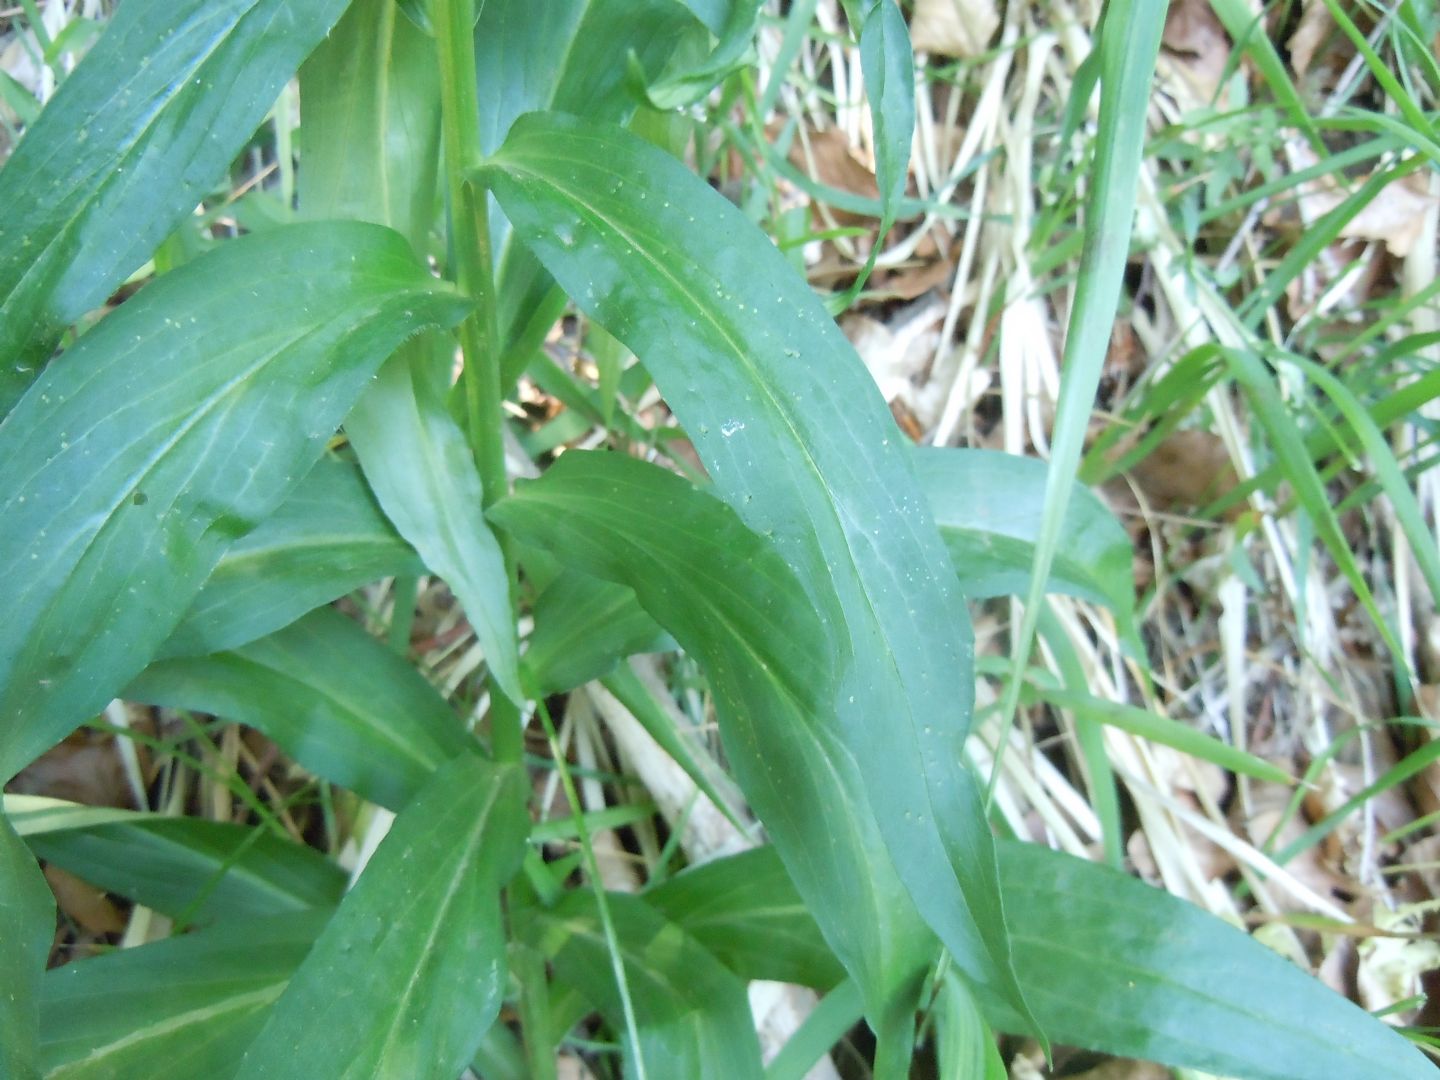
(173, 1010)
(731, 601)
(574, 60)
(327, 539)
(27, 911)
(798, 440)
(375, 146)
(410, 972)
(422, 471)
(692, 1014)
(140, 131)
(989, 505)
(583, 626)
(336, 700)
(172, 429)
(202, 870)
(1117, 966)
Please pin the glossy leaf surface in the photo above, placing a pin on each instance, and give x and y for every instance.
(797, 439)
(336, 700)
(173, 1010)
(420, 929)
(989, 504)
(692, 1013)
(327, 539)
(130, 143)
(172, 429)
(731, 601)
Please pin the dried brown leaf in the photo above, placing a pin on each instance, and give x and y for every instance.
(1196, 46)
(84, 903)
(1187, 470)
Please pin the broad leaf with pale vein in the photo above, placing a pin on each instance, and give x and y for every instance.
(169, 431)
(798, 440)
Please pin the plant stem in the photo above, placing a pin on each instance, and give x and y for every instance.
(470, 240)
(474, 272)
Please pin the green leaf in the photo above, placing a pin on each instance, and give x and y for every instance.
(687, 79)
(797, 439)
(745, 910)
(172, 1010)
(327, 539)
(371, 137)
(141, 130)
(733, 603)
(336, 700)
(172, 429)
(420, 466)
(27, 911)
(989, 506)
(410, 972)
(203, 870)
(375, 151)
(1112, 964)
(888, 66)
(583, 627)
(573, 60)
(692, 1014)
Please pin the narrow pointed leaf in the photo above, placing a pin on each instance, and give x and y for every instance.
(203, 870)
(327, 539)
(375, 143)
(172, 1010)
(691, 1013)
(420, 466)
(798, 440)
(989, 506)
(1114, 965)
(172, 429)
(27, 912)
(141, 130)
(410, 972)
(732, 602)
(336, 700)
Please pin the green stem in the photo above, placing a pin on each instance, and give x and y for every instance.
(470, 240)
(475, 274)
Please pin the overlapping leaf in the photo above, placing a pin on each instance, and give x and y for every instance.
(28, 913)
(172, 429)
(327, 539)
(410, 972)
(202, 870)
(134, 138)
(989, 505)
(173, 1010)
(371, 154)
(799, 442)
(731, 601)
(333, 698)
(692, 1014)
(1115, 965)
